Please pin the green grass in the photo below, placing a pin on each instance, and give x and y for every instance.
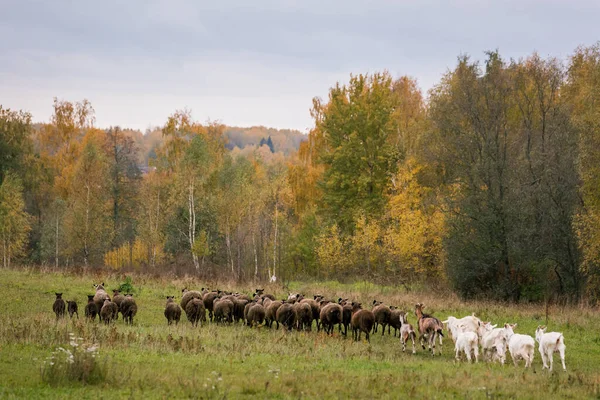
(152, 360)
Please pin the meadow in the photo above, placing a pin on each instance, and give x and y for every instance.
(152, 360)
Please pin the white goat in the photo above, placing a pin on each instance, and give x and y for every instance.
(519, 346)
(550, 343)
(491, 340)
(467, 342)
(469, 323)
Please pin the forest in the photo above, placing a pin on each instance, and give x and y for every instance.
(489, 185)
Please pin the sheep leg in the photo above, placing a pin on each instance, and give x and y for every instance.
(383, 330)
(368, 337)
(476, 351)
(413, 343)
(551, 357)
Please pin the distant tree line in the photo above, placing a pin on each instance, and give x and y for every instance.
(491, 186)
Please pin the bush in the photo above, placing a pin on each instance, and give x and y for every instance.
(77, 362)
(127, 286)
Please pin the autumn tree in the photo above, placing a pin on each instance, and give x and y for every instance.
(14, 221)
(359, 157)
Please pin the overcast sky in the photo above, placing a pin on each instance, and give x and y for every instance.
(255, 62)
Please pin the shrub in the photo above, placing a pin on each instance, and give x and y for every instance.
(77, 362)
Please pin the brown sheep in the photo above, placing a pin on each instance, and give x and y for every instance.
(261, 293)
(90, 309)
(362, 321)
(129, 309)
(285, 316)
(72, 308)
(108, 311)
(118, 299)
(59, 306)
(382, 315)
(271, 313)
(346, 314)
(172, 311)
(208, 300)
(331, 314)
(394, 320)
(239, 304)
(256, 314)
(187, 295)
(303, 316)
(195, 311)
(223, 310)
(429, 327)
(100, 296)
(316, 310)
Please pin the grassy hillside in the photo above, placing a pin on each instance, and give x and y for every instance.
(152, 360)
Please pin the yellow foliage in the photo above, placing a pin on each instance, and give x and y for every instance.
(139, 254)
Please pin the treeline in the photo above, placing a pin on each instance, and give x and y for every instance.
(490, 185)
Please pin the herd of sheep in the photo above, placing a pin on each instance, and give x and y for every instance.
(297, 312)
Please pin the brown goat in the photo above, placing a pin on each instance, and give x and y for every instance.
(361, 321)
(172, 311)
(59, 306)
(429, 327)
(406, 332)
(195, 311)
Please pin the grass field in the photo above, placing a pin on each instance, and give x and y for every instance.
(151, 360)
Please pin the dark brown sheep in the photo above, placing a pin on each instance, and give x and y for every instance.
(195, 311)
(239, 304)
(394, 320)
(303, 316)
(271, 313)
(261, 293)
(100, 296)
(331, 314)
(382, 315)
(346, 314)
(256, 314)
(72, 308)
(316, 310)
(187, 295)
(362, 321)
(173, 311)
(285, 316)
(223, 310)
(129, 309)
(118, 299)
(108, 311)
(59, 306)
(90, 308)
(208, 300)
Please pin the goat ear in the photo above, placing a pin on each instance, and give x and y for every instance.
(514, 325)
(506, 326)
